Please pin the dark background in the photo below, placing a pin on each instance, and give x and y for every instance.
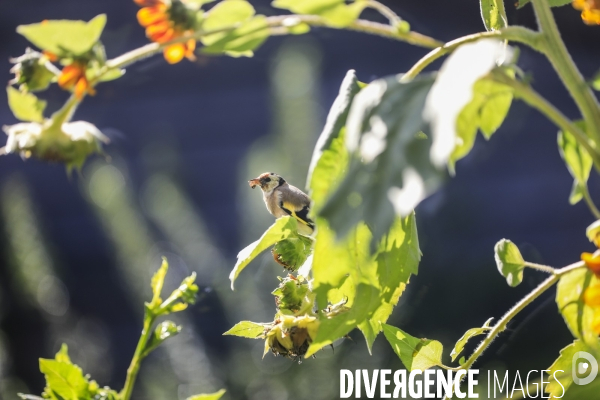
(76, 254)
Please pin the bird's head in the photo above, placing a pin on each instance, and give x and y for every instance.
(267, 181)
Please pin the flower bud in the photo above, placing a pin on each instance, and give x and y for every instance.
(33, 71)
(291, 336)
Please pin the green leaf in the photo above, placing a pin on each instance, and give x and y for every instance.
(460, 345)
(486, 111)
(413, 352)
(397, 259)
(247, 329)
(595, 83)
(64, 379)
(64, 37)
(569, 298)
(280, 230)
(390, 171)
(158, 280)
(370, 285)
(112, 74)
(162, 332)
(330, 158)
(509, 261)
(240, 41)
(63, 354)
(25, 106)
(212, 396)
(579, 162)
(225, 14)
(196, 4)
(335, 12)
(493, 14)
(593, 231)
(562, 368)
(552, 3)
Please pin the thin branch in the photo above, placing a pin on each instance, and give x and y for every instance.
(589, 201)
(540, 267)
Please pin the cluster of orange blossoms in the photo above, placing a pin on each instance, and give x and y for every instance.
(591, 297)
(590, 10)
(73, 76)
(157, 17)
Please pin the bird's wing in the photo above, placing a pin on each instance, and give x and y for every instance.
(297, 204)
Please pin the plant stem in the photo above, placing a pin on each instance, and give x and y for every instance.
(134, 367)
(500, 326)
(531, 97)
(540, 267)
(556, 51)
(385, 11)
(511, 33)
(589, 201)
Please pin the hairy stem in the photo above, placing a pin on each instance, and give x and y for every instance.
(540, 267)
(589, 201)
(138, 356)
(556, 51)
(385, 11)
(535, 100)
(511, 33)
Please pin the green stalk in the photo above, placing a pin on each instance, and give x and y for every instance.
(138, 356)
(512, 33)
(556, 51)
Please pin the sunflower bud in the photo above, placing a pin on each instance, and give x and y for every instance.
(293, 294)
(292, 252)
(33, 71)
(291, 336)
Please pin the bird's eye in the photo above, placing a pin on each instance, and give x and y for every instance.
(267, 179)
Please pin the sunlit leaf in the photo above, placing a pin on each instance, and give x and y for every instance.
(462, 342)
(330, 158)
(509, 261)
(25, 106)
(397, 258)
(390, 171)
(486, 111)
(335, 12)
(247, 329)
(158, 280)
(64, 37)
(240, 41)
(281, 229)
(65, 379)
(562, 368)
(492, 12)
(569, 298)
(293, 251)
(579, 162)
(413, 352)
(223, 15)
(212, 396)
(63, 354)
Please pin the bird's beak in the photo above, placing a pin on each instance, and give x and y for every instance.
(254, 182)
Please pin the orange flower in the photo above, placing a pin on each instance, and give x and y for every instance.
(592, 261)
(591, 296)
(157, 17)
(73, 76)
(590, 10)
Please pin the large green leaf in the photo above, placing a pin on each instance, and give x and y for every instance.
(25, 106)
(493, 14)
(390, 171)
(335, 12)
(370, 284)
(509, 261)
(247, 329)
(561, 374)
(397, 258)
(330, 158)
(280, 230)
(569, 298)
(552, 3)
(579, 162)
(486, 111)
(64, 37)
(413, 352)
(212, 396)
(223, 15)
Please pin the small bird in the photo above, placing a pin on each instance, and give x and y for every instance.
(284, 199)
